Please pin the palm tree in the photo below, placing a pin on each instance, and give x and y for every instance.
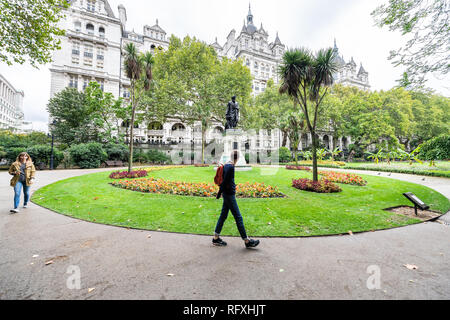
(334, 153)
(306, 78)
(137, 68)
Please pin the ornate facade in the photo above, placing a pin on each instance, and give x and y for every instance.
(93, 48)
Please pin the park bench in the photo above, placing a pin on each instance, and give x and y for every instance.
(111, 163)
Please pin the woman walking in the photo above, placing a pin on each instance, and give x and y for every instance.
(23, 172)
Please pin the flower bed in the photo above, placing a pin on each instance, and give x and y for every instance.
(324, 163)
(160, 186)
(290, 167)
(346, 178)
(129, 175)
(151, 169)
(321, 186)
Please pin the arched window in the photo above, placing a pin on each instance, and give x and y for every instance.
(101, 32)
(90, 29)
(218, 130)
(178, 127)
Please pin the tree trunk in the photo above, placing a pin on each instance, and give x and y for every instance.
(203, 143)
(314, 155)
(133, 110)
(284, 138)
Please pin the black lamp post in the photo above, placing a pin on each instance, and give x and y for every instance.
(53, 139)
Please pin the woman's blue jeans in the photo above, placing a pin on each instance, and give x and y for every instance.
(229, 203)
(17, 190)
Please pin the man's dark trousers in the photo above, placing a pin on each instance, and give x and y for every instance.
(229, 203)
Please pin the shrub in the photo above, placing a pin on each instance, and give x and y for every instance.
(436, 149)
(298, 168)
(88, 155)
(321, 186)
(284, 155)
(11, 153)
(158, 157)
(129, 175)
(140, 156)
(43, 153)
(117, 151)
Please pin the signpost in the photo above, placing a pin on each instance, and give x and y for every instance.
(416, 201)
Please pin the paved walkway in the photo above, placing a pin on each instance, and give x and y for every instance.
(116, 263)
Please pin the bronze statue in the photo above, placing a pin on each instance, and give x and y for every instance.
(232, 114)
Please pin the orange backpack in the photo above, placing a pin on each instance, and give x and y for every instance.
(218, 179)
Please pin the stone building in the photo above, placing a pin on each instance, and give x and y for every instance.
(93, 50)
(11, 106)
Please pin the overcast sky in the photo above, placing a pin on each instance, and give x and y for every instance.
(310, 23)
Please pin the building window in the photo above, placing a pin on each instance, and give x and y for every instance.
(88, 51)
(101, 32)
(90, 29)
(76, 48)
(73, 81)
(85, 83)
(77, 26)
(91, 5)
(100, 54)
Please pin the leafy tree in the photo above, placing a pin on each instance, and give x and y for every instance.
(72, 117)
(28, 30)
(425, 24)
(194, 85)
(103, 109)
(306, 78)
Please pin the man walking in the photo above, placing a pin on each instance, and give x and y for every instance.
(228, 191)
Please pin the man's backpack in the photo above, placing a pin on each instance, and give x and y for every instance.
(218, 179)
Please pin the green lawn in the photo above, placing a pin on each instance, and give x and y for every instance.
(91, 198)
(441, 168)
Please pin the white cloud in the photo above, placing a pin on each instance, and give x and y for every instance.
(313, 24)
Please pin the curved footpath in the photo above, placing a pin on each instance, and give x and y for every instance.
(132, 264)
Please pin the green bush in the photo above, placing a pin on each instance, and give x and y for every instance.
(88, 155)
(436, 149)
(140, 156)
(117, 151)
(158, 157)
(284, 155)
(43, 153)
(13, 152)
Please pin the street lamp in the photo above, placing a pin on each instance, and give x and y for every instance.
(53, 139)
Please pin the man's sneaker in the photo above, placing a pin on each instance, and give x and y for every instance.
(25, 206)
(252, 243)
(219, 242)
(14, 211)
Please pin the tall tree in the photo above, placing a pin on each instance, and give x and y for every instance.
(425, 24)
(103, 109)
(306, 78)
(28, 30)
(194, 86)
(138, 68)
(72, 117)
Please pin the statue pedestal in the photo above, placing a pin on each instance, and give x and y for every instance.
(234, 140)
